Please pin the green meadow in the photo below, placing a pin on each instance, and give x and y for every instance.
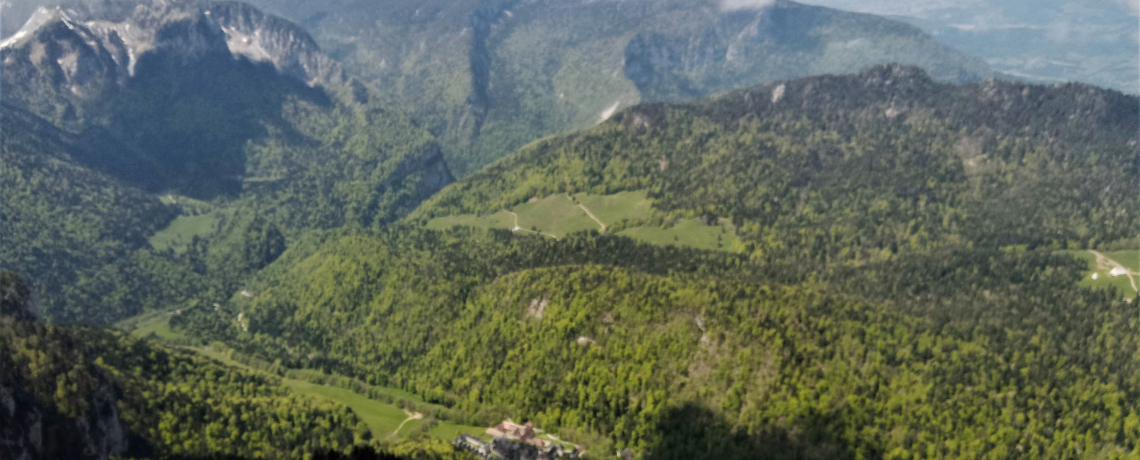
(382, 419)
(182, 230)
(560, 215)
(686, 233)
(1128, 259)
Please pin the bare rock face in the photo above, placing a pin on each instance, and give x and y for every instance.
(33, 429)
(16, 299)
(83, 55)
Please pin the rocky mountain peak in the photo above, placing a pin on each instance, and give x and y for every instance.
(82, 44)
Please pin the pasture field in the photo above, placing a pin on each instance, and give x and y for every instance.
(687, 233)
(157, 322)
(497, 220)
(555, 215)
(1129, 259)
(559, 215)
(611, 209)
(381, 418)
(1104, 281)
(182, 230)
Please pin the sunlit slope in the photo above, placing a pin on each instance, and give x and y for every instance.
(630, 343)
(848, 168)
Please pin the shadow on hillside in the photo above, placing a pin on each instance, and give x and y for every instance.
(696, 432)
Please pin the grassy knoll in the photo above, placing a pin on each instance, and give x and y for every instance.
(182, 230)
(686, 233)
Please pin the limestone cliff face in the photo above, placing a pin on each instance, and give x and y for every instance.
(34, 430)
(78, 58)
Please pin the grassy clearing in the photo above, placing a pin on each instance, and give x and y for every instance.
(556, 215)
(180, 232)
(156, 322)
(448, 431)
(381, 418)
(1129, 259)
(1104, 281)
(497, 220)
(184, 201)
(687, 233)
(612, 209)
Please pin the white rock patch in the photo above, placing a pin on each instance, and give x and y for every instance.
(778, 93)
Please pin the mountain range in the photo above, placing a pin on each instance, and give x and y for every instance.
(675, 230)
(488, 77)
(1050, 41)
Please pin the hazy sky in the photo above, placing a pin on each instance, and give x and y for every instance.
(923, 8)
(741, 4)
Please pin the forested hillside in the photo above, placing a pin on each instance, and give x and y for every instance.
(675, 353)
(98, 393)
(895, 291)
(267, 140)
(854, 167)
(876, 265)
(84, 393)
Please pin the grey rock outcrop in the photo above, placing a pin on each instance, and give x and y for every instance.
(85, 46)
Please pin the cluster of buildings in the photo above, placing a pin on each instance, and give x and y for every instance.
(511, 441)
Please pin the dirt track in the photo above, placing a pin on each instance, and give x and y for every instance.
(1104, 263)
(588, 213)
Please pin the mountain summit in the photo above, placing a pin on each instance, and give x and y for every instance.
(80, 59)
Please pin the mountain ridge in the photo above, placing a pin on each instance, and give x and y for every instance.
(488, 77)
(983, 144)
